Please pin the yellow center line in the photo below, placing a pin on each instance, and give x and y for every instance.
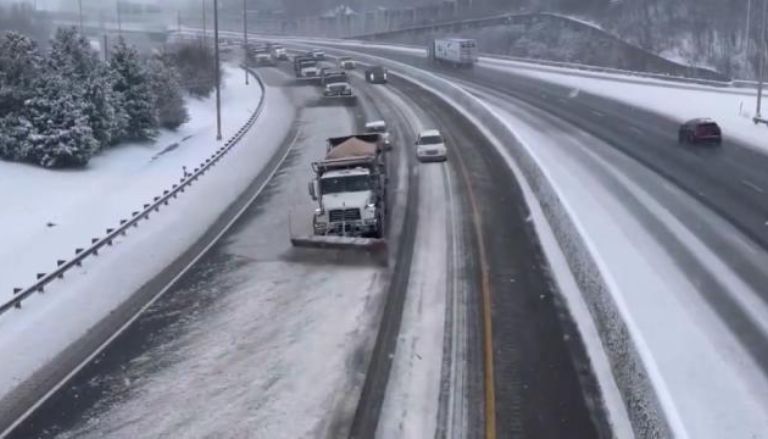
(485, 286)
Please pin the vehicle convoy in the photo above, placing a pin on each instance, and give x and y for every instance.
(305, 67)
(458, 52)
(430, 147)
(347, 63)
(376, 75)
(350, 188)
(700, 130)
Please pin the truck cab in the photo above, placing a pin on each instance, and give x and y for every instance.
(349, 203)
(306, 67)
(279, 52)
(350, 188)
(336, 84)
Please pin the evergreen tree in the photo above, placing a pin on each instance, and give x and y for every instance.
(20, 64)
(72, 57)
(196, 65)
(166, 88)
(59, 133)
(132, 84)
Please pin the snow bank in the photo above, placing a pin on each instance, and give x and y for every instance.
(66, 324)
(49, 213)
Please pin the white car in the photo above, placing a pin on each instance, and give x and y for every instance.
(430, 147)
(379, 127)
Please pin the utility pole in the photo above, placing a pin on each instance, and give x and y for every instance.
(218, 72)
(747, 31)
(205, 24)
(761, 71)
(119, 19)
(80, 8)
(245, 39)
(106, 48)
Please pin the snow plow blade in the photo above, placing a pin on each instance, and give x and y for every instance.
(340, 242)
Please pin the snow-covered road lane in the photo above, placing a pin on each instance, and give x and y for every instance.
(259, 340)
(686, 281)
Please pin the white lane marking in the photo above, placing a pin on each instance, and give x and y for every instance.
(597, 113)
(635, 130)
(753, 186)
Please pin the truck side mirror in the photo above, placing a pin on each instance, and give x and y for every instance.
(312, 191)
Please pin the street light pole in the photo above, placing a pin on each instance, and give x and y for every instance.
(80, 9)
(218, 72)
(205, 24)
(245, 40)
(747, 31)
(119, 19)
(758, 114)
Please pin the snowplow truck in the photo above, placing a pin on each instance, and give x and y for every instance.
(305, 67)
(336, 88)
(350, 188)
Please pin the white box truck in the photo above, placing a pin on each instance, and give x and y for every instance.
(459, 52)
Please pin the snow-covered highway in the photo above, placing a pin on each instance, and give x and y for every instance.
(678, 233)
(257, 331)
(619, 289)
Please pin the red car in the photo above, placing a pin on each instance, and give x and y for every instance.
(700, 131)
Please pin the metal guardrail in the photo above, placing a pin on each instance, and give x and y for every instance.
(97, 244)
(613, 70)
(348, 43)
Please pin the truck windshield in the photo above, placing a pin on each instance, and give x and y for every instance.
(335, 185)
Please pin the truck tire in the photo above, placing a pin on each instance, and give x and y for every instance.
(379, 232)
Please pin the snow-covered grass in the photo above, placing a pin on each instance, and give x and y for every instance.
(47, 324)
(49, 213)
(733, 109)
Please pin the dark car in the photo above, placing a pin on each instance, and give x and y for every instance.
(700, 131)
(376, 75)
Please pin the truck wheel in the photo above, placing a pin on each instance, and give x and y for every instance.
(379, 232)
